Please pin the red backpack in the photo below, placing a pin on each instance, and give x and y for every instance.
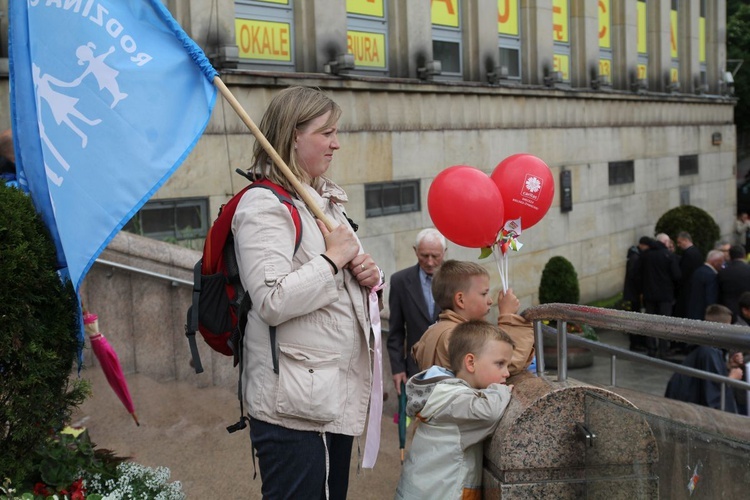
(220, 303)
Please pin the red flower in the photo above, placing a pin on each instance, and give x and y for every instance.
(41, 489)
(77, 491)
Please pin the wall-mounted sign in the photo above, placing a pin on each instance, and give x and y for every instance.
(265, 40)
(368, 48)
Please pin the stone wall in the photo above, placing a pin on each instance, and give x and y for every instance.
(391, 131)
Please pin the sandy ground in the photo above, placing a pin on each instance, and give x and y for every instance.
(183, 428)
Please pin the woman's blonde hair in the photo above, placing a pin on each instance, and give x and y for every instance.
(289, 111)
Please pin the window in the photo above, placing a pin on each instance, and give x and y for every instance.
(642, 41)
(702, 47)
(561, 39)
(674, 70)
(388, 198)
(446, 37)
(509, 38)
(367, 34)
(265, 34)
(183, 219)
(605, 42)
(689, 165)
(621, 172)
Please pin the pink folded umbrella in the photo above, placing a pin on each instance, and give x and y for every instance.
(109, 362)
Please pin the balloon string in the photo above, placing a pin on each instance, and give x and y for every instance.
(507, 271)
(500, 270)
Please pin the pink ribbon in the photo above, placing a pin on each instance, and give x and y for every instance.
(372, 441)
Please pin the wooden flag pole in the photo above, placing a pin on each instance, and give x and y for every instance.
(301, 191)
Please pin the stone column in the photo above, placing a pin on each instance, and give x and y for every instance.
(325, 30)
(410, 36)
(210, 25)
(480, 47)
(536, 42)
(624, 43)
(689, 49)
(584, 43)
(659, 55)
(716, 48)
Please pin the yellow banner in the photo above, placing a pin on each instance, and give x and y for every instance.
(507, 17)
(605, 24)
(264, 40)
(365, 7)
(445, 12)
(560, 21)
(673, 76)
(702, 39)
(605, 68)
(641, 24)
(561, 63)
(368, 48)
(673, 33)
(642, 72)
(283, 2)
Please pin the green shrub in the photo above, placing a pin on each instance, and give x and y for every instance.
(559, 282)
(696, 221)
(38, 341)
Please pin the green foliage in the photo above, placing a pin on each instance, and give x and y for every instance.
(38, 342)
(738, 47)
(559, 282)
(696, 221)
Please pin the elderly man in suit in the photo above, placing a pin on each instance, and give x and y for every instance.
(412, 307)
(704, 285)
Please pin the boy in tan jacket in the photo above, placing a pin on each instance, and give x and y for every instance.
(462, 289)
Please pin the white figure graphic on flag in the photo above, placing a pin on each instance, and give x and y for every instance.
(62, 105)
(105, 75)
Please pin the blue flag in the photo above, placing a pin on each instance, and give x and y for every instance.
(108, 97)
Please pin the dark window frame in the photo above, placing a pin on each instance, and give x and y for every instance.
(138, 225)
(621, 172)
(376, 194)
(689, 165)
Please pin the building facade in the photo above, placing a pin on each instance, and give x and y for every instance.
(627, 101)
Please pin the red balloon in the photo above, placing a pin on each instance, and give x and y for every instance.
(466, 206)
(527, 187)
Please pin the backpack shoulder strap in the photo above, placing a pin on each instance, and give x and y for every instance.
(286, 199)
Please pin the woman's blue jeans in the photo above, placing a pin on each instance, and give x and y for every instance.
(293, 463)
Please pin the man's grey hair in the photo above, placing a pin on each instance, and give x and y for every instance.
(714, 255)
(663, 237)
(430, 234)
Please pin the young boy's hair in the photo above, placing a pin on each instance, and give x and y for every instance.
(471, 337)
(718, 314)
(452, 277)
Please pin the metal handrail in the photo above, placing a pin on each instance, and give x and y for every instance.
(175, 281)
(689, 331)
(665, 327)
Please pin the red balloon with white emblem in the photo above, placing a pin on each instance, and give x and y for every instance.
(527, 187)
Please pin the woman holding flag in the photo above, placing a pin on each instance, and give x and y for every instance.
(303, 418)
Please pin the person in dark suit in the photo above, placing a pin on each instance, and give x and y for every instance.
(659, 272)
(412, 307)
(734, 279)
(704, 286)
(631, 290)
(691, 259)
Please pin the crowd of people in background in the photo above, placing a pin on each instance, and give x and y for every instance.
(662, 280)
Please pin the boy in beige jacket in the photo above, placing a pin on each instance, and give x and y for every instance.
(462, 289)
